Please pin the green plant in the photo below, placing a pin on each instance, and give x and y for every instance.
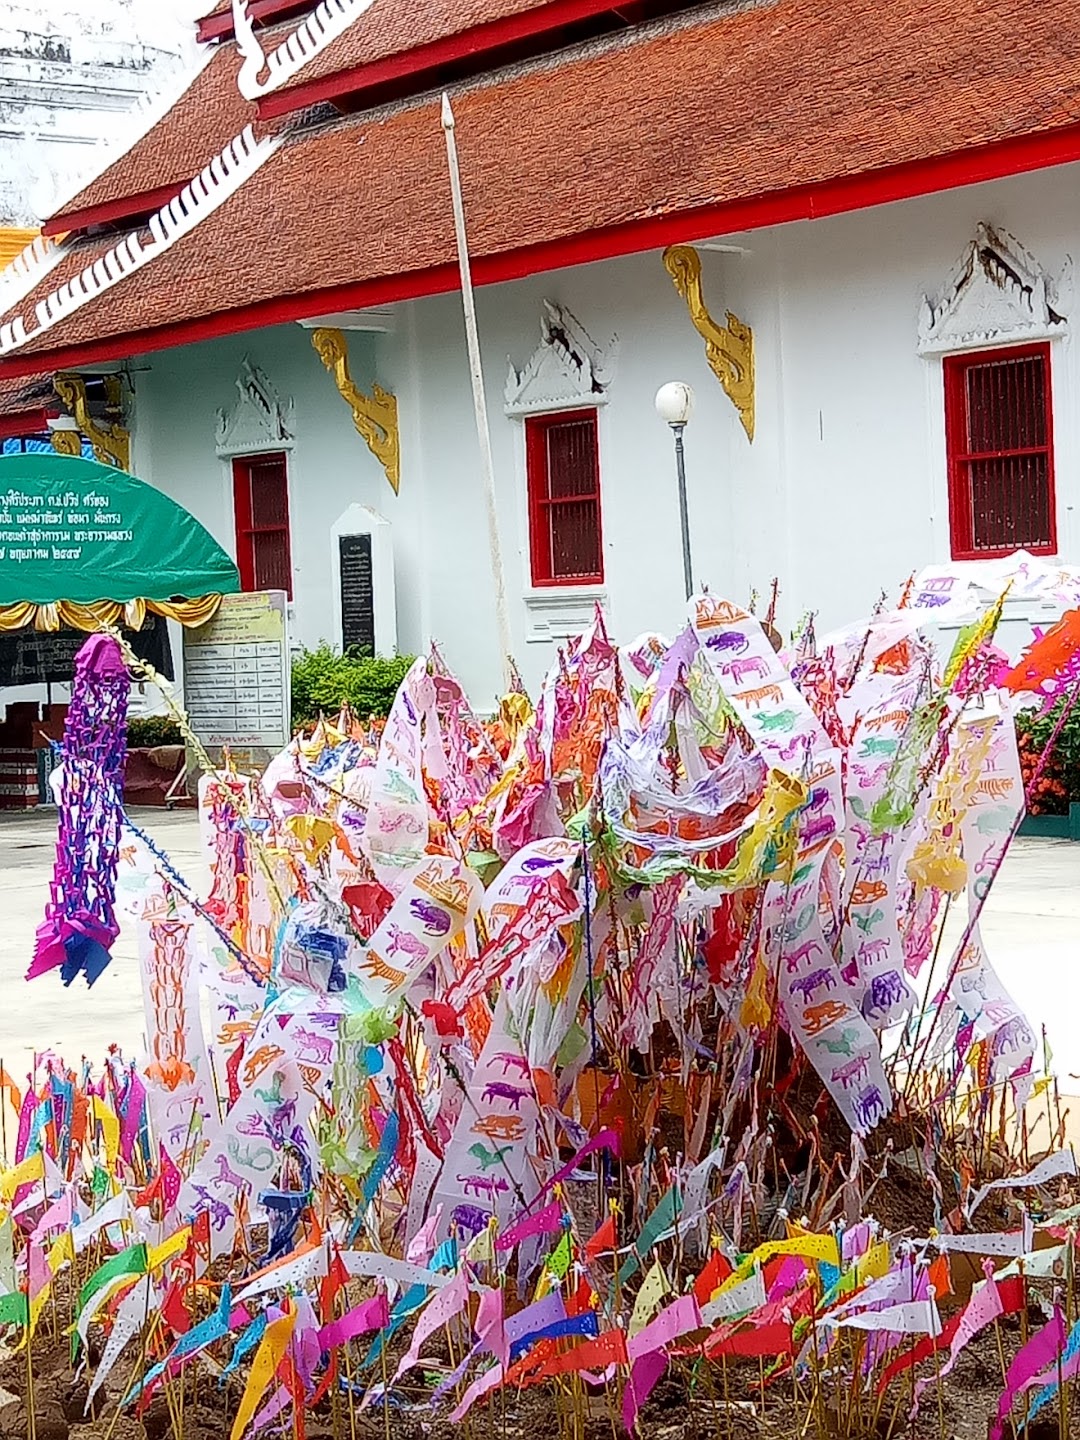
(144, 732)
(1059, 780)
(323, 681)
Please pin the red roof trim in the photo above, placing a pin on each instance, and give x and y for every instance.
(492, 35)
(1015, 156)
(29, 422)
(125, 208)
(220, 23)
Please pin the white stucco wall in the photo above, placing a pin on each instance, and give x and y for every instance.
(841, 495)
(70, 78)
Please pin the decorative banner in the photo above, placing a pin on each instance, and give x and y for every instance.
(982, 1008)
(486, 1171)
(818, 1003)
(80, 926)
(1041, 1350)
(396, 833)
(432, 910)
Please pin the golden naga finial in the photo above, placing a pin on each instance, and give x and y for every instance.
(729, 348)
(374, 416)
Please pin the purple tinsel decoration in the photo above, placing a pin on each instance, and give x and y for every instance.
(79, 926)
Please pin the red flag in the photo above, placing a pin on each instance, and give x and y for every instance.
(173, 1310)
(716, 1271)
(200, 1230)
(232, 1071)
(774, 1339)
(333, 1282)
(581, 1300)
(604, 1239)
(590, 1354)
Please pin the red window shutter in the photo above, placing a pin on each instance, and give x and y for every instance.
(261, 505)
(562, 462)
(999, 438)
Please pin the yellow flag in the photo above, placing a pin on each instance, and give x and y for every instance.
(813, 1247)
(874, 1264)
(30, 1169)
(268, 1357)
(110, 1127)
(653, 1289)
(61, 1252)
(168, 1248)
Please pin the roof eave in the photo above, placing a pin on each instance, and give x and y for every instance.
(478, 41)
(838, 195)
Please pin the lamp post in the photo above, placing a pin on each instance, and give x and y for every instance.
(674, 405)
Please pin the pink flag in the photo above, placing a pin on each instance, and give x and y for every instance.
(373, 1314)
(38, 1275)
(422, 1245)
(57, 1217)
(645, 1374)
(480, 1386)
(982, 1309)
(490, 1327)
(441, 1308)
(544, 1222)
(674, 1320)
(1040, 1351)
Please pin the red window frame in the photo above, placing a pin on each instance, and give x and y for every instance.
(961, 455)
(543, 506)
(246, 528)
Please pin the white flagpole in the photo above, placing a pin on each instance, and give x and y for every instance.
(483, 434)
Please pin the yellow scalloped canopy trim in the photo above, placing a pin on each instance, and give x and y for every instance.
(64, 614)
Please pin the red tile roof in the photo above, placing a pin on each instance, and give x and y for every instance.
(767, 114)
(205, 118)
(26, 395)
(437, 31)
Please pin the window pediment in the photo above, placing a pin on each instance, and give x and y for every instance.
(997, 293)
(568, 369)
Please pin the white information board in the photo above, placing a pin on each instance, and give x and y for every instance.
(236, 677)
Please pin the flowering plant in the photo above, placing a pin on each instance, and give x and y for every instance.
(1059, 782)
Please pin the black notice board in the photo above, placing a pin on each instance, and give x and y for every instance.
(357, 594)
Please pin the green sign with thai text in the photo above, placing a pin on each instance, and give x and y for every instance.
(73, 530)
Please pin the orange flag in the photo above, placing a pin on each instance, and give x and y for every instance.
(268, 1357)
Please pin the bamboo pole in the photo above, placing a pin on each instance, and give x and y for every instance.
(483, 433)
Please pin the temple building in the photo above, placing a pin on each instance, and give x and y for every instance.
(851, 235)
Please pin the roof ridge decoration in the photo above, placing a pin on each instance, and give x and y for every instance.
(997, 293)
(330, 19)
(140, 120)
(225, 174)
(28, 269)
(566, 371)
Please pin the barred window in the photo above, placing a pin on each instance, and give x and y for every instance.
(999, 438)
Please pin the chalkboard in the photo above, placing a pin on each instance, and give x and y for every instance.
(357, 594)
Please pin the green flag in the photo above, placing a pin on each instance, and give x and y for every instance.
(100, 1182)
(558, 1262)
(14, 1309)
(661, 1219)
(131, 1261)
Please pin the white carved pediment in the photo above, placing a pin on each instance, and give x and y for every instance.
(259, 420)
(996, 294)
(568, 370)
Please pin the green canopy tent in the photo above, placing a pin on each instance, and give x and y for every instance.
(83, 544)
